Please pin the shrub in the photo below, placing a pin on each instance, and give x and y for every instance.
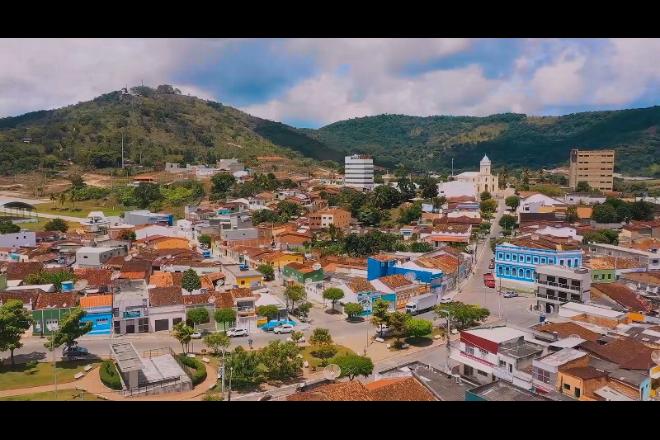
(199, 375)
(110, 375)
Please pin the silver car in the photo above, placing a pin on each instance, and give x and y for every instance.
(284, 328)
(235, 332)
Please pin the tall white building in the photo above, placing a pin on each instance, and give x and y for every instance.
(359, 171)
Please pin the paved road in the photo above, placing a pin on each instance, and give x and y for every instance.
(514, 310)
(40, 214)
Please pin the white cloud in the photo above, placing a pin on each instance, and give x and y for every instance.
(561, 82)
(48, 73)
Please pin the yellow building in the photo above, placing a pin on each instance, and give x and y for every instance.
(280, 259)
(596, 167)
(581, 382)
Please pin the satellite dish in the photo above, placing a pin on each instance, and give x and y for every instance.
(655, 357)
(331, 372)
(410, 276)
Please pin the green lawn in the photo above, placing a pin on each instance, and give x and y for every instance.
(50, 396)
(80, 209)
(42, 374)
(39, 226)
(314, 362)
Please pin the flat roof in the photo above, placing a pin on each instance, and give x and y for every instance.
(611, 394)
(592, 310)
(624, 249)
(562, 356)
(126, 356)
(505, 392)
(520, 351)
(496, 334)
(95, 250)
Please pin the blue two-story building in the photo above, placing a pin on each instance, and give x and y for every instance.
(516, 259)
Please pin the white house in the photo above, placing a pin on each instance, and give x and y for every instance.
(456, 188)
(18, 239)
(535, 202)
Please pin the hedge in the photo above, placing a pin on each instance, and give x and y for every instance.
(110, 375)
(200, 369)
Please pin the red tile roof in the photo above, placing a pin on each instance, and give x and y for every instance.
(566, 329)
(584, 373)
(623, 296)
(56, 300)
(626, 352)
(395, 281)
(165, 296)
(18, 271)
(94, 277)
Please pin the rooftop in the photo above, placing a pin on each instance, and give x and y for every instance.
(126, 356)
(96, 301)
(584, 373)
(566, 329)
(165, 296)
(496, 334)
(505, 392)
(623, 296)
(571, 309)
(562, 356)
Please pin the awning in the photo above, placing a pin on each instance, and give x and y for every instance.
(460, 358)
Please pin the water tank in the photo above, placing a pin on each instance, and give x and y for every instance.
(67, 286)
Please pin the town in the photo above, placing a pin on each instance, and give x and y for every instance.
(269, 281)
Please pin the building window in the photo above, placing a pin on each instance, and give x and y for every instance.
(577, 262)
(567, 386)
(551, 261)
(514, 257)
(561, 262)
(483, 373)
(499, 270)
(507, 270)
(528, 273)
(469, 350)
(499, 255)
(541, 375)
(543, 260)
(609, 276)
(502, 364)
(569, 263)
(520, 273)
(536, 260)
(577, 392)
(468, 371)
(529, 259)
(483, 352)
(507, 257)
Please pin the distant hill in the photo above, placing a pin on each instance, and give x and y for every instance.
(162, 125)
(514, 140)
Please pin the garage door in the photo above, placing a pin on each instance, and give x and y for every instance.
(161, 324)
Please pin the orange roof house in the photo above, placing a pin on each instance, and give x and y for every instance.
(90, 301)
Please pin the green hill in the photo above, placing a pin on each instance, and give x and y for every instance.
(429, 143)
(161, 125)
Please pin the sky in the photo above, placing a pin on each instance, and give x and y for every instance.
(314, 82)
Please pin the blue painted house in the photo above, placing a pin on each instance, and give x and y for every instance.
(98, 310)
(516, 259)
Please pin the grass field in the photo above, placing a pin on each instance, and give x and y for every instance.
(63, 395)
(80, 209)
(314, 362)
(42, 374)
(39, 226)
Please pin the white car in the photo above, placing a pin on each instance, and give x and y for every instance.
(284, 328)
(196, 335)
(445, 300)
(235, 332)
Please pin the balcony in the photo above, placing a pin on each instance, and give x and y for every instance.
(555, 284)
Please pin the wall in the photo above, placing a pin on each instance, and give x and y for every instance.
(168, 312)
(18, 239)
(41, 316)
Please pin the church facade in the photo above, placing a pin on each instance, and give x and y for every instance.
(474, 182)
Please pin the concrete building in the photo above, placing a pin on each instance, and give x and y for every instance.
(596, 167)
(545, 370)
(18, 239)
(647, 260)
(557, 285)
(88, 256)
(339, 218)
(359, 171)
(236, 276)
(456, 188)
(146, 217)
(517, 259)
(130, 307)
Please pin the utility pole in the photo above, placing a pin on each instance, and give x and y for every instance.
(452, 167)
(122, 150)
(448, 312)
(223, 372)
(231, 373)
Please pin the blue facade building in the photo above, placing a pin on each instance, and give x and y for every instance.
(517, 259)
(101, 319)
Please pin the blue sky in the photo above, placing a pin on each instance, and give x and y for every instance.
(313, 82)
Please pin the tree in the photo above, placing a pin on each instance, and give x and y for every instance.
(385, 197)
(264, 216)
(485, 196)
(333, 294)
(267, 271)
(56, 224)
(323, 345)
(462, 315)
(296, 337)
(55, 278)
(353, 310)
(218, 342)
(641, 210)
(369, 215)
(183, 333)
(270, 311)
(397, 323)
(128, 235)
(321, 336)
(352, 365)
(438, 202)
(583, 187)
(281, 360)
(198, 315)
(222, 183)
(507, 222)
(304, 308)
(14, 321)
(246, 367)
(604, 213)
(70, 329)
(288, 209)
(205, 240)
(224, 316)
(62, 198)
(512, 202)
(488, 206)
(410, 214)
(572, 214)
(380, 314)
(407, 188)
(418, 328)
(147, 193)
(7, 227)
(190, 280)
(429, 187)
(294, 294)
(77, 181)
(420, 246)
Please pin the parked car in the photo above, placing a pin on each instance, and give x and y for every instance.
(76, 352)
(491, 265)
(196, 335)
(236, 332)
(445, 300)
(284, 328)
(509, 294)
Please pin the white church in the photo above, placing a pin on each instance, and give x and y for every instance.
(471, 183)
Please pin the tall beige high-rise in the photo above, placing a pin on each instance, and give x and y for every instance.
(596, 167)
